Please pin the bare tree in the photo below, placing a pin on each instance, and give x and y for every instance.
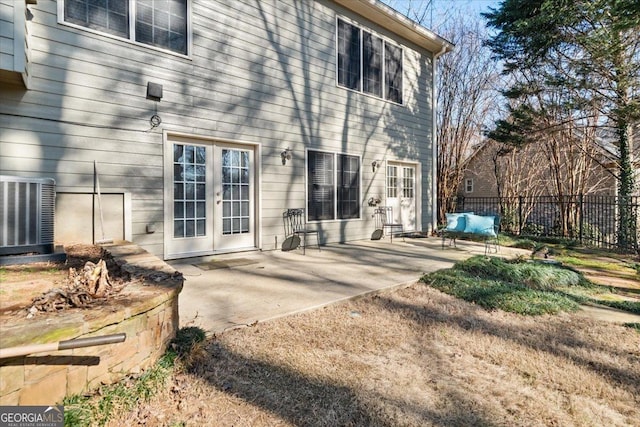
(517, 182)
(467, 101)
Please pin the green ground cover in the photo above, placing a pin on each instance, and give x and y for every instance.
(528, 287)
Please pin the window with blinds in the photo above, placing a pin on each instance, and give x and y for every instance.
(348, 184)
(321, 186)
(333, 186)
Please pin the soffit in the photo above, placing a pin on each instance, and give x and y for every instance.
(379, 13)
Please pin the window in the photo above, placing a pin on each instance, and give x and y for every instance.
(235, 192)
(468, 185)
(368, 64)
(159, 23)
(348, 56)
(408, 183)
(333, 182)
(372, 65)
(189, 191)
(392, 181)
(393, 73)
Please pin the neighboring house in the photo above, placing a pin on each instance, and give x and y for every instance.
(525, 172)
(200, 121)
(479, 177)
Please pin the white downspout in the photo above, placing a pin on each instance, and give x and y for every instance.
(434, 143)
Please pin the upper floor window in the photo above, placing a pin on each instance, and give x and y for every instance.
(367, 63)
(159, 23)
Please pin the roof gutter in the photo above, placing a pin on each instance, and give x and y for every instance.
(434, 142)
(383, 15)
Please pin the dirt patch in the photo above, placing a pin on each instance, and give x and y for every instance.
(22, 284)
(412, 357)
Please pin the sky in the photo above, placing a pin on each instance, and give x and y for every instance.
(436, 13)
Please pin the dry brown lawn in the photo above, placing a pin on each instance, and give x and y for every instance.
(412, 357)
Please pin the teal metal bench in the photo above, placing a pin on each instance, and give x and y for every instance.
(467, 224)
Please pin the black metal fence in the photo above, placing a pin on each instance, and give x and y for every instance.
(602, 221)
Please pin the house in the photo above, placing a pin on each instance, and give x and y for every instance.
(188, 126)
(527, 171)
(566, 193)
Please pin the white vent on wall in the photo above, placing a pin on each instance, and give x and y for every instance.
(27, 208)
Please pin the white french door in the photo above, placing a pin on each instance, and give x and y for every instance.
(210, 197)
(234, 224)
(401, 193)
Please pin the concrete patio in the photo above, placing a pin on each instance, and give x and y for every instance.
(233, 290)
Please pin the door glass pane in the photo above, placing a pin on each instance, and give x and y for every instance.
(200, 191)
(189, 210)
(235, 191)
(201, 209)
(178, 191)
(178, 228)
(200, 155)
(408, 183)
(178, 210)
(392, 181)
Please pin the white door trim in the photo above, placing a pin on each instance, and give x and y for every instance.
(168, 139)
(417, 166)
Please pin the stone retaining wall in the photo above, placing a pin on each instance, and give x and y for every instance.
(147, 312)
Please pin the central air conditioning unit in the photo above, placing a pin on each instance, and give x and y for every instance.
(27, 215)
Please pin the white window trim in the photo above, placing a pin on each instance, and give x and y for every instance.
(335, 183)
(468, 181)
(384, 80)
(131, 38)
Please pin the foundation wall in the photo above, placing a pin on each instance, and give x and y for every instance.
(148, 315)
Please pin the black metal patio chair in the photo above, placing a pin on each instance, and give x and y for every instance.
(295, 226)
(384, 221)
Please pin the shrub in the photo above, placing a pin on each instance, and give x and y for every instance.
(532, 229)
(535, 275)
(518, 286)
(496, 294)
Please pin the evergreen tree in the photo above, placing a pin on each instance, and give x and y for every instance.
(590, 50)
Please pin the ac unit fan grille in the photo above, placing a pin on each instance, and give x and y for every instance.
(26, 215)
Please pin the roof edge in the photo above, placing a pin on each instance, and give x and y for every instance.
(385, 16)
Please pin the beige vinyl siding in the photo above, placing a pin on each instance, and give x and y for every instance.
(259, 72)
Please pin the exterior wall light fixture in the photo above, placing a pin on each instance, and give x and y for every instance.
(286, 155)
